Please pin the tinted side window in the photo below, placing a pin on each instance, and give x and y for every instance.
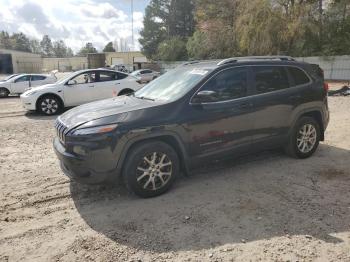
(107, 76)
(298, 76)
(270, 78)
(148, 71)
(38, 78)
(228, 84)
(23, 79)
(121, 76)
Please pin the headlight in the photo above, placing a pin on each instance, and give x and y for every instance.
(94, 130)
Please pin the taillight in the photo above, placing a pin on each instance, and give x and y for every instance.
(325, 87)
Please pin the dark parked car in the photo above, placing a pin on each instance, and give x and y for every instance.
(196, 112)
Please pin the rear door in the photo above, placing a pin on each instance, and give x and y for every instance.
(107, 85)
(276, 96)
(37, 80)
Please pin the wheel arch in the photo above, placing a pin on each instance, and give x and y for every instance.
(125, 91)
(171, 139)
(49, 94)
(8, 90)
(316, 114)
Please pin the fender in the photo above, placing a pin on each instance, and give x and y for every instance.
(148, 135)
(305, 111)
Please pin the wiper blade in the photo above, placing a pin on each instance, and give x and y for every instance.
(145, 98)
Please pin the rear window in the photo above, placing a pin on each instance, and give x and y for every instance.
(298, 75)
(270, 79)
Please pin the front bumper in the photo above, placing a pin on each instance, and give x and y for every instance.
(29, 103)
(85, 169)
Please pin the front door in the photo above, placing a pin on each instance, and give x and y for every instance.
(80, 89)
(225, 123)
(20, 84)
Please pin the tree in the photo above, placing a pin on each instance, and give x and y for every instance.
(46, 46)
(35, 46)
(20, 42)
(87, 49)
(60, 49)
(165, 19)
(5, 40)
(197, 46)
(109, 48)
(154, 30)
(173, 49)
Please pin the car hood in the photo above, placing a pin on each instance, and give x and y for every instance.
(43, 87)
(103, 108)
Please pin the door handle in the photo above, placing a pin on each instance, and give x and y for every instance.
(91, 86)
(117, 83)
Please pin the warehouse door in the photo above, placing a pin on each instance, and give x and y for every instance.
(6, 64)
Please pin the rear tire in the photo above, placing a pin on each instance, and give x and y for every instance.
(49, 105)
(4, 92)
(304, 139)
(150, 169)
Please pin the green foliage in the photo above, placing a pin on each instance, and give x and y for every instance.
(20, 42)
(60, 49)
(173, 49)
(109, 48)
(197, 46)
(46, 46)
(87, 49)
(165, 19)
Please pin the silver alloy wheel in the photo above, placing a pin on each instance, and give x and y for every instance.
(306, 139)
(49, 106)
(154, 171)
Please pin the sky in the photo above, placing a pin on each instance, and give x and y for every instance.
(74, 21)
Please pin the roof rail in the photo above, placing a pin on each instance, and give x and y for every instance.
(252, 58)
(190, 62)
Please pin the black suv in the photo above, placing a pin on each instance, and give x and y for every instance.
(196, 112)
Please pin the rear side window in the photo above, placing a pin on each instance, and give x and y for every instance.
(228, 84)
(107, 76)
(121, 76)
(38, 78)
(270, 79)
(299, 77)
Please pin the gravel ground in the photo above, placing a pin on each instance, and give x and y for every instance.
(263, 207)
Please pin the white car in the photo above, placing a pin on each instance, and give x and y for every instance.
(19, 84)
(145, 75)
(79, 88)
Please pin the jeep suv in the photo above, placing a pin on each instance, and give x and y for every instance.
(194, 113)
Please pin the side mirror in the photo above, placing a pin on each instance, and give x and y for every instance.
(71, 82)
(205, 96)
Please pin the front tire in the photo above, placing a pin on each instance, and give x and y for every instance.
(49, 105)
(304, 139)
(4, 92)
(151, 169)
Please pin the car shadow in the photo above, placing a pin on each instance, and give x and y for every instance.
(237, 200)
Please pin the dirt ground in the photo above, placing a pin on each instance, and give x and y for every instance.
(263, 207)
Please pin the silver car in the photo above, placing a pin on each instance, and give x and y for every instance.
(145, 75)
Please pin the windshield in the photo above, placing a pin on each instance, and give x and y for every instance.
(173, 84)
(9, 77)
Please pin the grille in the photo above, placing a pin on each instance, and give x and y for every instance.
(61, 131)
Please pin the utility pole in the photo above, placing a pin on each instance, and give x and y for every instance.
(132, 25)
(320, 10)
